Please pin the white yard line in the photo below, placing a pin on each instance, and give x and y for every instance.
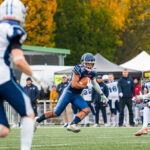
(35, 146)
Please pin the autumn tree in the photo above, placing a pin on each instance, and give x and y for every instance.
(40, 25)
(136, 36)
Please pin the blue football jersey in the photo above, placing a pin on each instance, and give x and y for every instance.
(80, 70)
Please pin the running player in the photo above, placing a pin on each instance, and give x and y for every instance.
(71, 93)
(12, 35)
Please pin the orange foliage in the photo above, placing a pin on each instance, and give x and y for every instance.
(39, 22)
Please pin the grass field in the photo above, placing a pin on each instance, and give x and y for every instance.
(87, 139)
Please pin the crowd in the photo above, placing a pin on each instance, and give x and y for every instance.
(121, 96)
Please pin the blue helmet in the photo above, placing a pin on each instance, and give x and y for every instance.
(88, 58)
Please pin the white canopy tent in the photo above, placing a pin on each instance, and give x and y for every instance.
(140, 62)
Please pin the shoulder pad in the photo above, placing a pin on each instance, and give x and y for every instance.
(16, 30)
(77, 69)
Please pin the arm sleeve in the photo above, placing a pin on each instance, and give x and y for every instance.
(14, 43)
(96, 87)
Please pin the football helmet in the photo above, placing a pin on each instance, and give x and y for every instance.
(13, 10)
(88, 58)
(105, 78)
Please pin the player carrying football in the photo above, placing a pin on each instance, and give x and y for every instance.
(71, 93)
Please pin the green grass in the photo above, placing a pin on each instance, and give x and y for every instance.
(87, 139)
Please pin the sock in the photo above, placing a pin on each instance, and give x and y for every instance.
(87, 119)
(0, 129)
(117, 118)
(113, 120)
(83, 121)
(40, 119)
(76, 120)
(146, 114)
(108, 119)
(27, 133)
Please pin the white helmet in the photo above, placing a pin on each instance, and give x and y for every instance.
(105, 77)
(13, 10)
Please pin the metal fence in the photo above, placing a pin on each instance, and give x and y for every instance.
(42, 107)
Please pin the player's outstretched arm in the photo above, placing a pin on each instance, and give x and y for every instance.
(21, 63)
(98, 90)
(96, 86)
(75, 82)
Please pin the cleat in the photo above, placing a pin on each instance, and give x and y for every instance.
(95, 125)
(145, 131)
(142, 132)
(36, 124)
(65, 125)
(73, 128)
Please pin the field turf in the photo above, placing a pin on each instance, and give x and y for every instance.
(88, 139)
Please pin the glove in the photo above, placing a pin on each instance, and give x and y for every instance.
(120, 94)
(40, 81)
(140, 97)
(134, 98)
(104, 99)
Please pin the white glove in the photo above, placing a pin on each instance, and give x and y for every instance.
(134, 98)
(104, 99)
(40, 81)
(140, 96)
(120, 94)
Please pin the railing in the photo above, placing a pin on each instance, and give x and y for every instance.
(42, 107)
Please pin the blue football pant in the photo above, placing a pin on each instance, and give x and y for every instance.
(69, 97)
(17, 98)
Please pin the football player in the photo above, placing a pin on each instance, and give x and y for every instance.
(113, 98)
(71, 93)
(12, 35)
(146, 113)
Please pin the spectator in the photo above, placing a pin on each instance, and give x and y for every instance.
(53, 97)
(126, 89)
(44, 95)
(67, 113)
(33, 93)
(97, 101)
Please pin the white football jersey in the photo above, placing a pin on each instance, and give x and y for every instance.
(87, 92)
(113, 90)
(8, 30)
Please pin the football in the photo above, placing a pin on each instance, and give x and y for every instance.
(84, 81)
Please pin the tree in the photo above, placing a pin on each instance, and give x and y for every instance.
(40, 25)
(82, 27)
(136, 36)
